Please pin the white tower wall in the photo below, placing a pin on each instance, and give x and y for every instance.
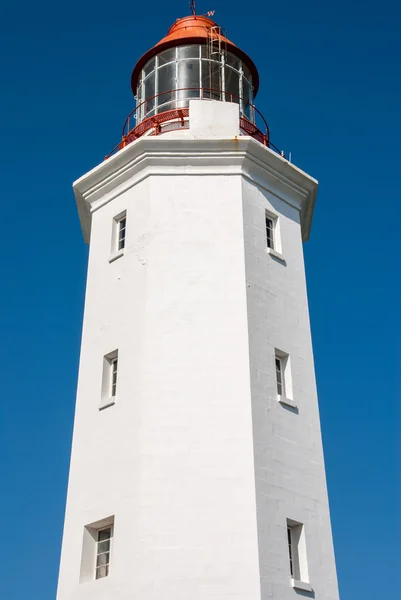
(197, 462)
(289, 465)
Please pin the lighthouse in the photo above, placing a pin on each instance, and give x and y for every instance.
(197, 469)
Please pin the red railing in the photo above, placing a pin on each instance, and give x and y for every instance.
(181, 117)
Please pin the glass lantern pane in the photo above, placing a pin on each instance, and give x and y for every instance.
(149, 67)
(231, 85)
(166, 87)
(188, 52)
(139, 90)
(149, 93)
(167, 56)
(246, 95)
(232, 60)
(188, 82)
(188, 77)
(211, 80)
(139, 108)
(247, 73)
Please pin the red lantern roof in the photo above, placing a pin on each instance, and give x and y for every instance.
(195, 29)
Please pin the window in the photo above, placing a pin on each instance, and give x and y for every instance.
(283, 378)
(121, 233)
(109, 379)
(280, 376)
(297, 554)
(103, 548)
(290, 550)
(273, 237)
(114, 366)
(97, 550)
(269, 232)
(118, 236)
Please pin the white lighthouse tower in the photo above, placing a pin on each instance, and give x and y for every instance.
(197, 469)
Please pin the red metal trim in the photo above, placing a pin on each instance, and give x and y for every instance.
(155, 122)
(253, 131)
(216, 95)
(178, 117)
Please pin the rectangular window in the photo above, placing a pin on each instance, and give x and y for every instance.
(109, 379)
(122, 223)
(297, 552)
(269, 232)
(114, 365)
(97, 550)
(290, 550)
(283, 377)
(280, 376)
(103, 549)
(118, 236)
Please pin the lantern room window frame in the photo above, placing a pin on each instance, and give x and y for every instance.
(156, 96)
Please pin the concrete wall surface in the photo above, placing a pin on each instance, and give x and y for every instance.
(172, 459)
(196, 462)
(289, 464)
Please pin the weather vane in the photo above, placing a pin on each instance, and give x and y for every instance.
(192, 6)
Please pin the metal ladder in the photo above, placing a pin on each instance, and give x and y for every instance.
(216, 51)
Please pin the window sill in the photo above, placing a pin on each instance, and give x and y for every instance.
(107, 402)
(116, 255)
(277, 255)
(287, 401)
(301, 585)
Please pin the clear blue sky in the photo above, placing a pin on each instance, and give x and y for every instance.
(331, 92)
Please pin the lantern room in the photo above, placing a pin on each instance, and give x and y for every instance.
(194, 60)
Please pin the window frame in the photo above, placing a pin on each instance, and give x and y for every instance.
(118, 236)
(110, 379)
(90, 549)
(121, 232)
(286, 395)
(290, 548)
(97, 554)
(113, 376)
(273, 236)
(270, 231)
(297, 555)
(280, 375)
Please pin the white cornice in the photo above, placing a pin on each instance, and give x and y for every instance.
(190, 156)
